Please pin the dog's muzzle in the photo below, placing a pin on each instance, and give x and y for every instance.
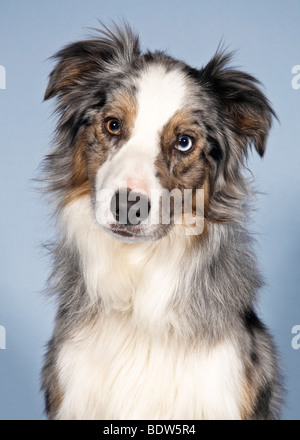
(129, 208)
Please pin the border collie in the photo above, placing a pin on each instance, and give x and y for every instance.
(156, 307)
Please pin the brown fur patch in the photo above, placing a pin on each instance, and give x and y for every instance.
(245, 121)
(247, 402)
(79, 185)
(71, 73)
(248, 124)
(54, 398)
(77, 192)
(176, 169)
(183, 170)
(94, 145)
(123, 107)
(66, 76)
(249, 396)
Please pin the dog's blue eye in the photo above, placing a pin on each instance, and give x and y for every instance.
(184, 143)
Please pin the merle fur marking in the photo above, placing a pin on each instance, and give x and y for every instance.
(219, 280)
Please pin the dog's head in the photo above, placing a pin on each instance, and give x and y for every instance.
(140, 133)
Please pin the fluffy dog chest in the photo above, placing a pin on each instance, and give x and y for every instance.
(111, 370)
(127, 364)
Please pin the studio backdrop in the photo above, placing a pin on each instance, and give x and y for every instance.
(265, 36)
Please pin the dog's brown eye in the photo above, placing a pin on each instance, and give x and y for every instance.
(113, 126)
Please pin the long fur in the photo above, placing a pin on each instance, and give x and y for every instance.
(165, 327)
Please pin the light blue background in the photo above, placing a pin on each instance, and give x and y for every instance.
(267, 34)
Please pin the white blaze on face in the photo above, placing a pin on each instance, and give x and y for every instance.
(160, 95)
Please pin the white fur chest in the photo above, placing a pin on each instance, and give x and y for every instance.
(128, 364)
(111, 371)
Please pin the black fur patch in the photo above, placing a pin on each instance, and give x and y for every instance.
(261, 409)
(252, 322)
(215, 150)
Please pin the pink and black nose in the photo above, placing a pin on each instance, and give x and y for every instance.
(129, 207)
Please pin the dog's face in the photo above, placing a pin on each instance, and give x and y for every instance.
(146, 141)
(145, 132)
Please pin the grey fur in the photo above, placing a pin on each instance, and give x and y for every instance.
(220, 281)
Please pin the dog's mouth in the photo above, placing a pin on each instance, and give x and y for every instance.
(128, 233)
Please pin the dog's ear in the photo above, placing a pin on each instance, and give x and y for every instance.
(73, 62)
(84, 61)
(245, 108)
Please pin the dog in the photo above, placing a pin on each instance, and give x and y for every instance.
(156, 319)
